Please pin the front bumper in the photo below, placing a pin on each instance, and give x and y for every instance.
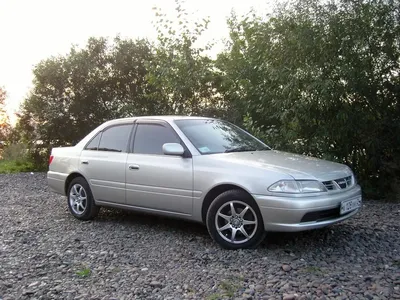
(293, 213)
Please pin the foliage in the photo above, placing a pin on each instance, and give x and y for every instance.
(12, 166)
(322, 79)
(183, 73)
(85, 272)
(4, 120)
(87, 87)
(314, 77)
(229, 288)
(15, 152)
(17, 158)
(75, 93)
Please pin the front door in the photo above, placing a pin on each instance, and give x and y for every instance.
(155, 181)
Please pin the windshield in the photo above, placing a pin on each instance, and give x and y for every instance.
(216, 136)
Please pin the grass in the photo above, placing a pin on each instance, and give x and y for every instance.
(15, 166)
(227, 290)
(228, 287)
(396, 263)
(84, 272)
(215, 296)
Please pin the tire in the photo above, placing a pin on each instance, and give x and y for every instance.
(219, 215)
(80, 200)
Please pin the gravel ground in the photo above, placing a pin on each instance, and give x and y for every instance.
(47, 254)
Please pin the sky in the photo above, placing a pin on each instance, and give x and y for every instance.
(33, 30)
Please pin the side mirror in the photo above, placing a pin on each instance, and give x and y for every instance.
(173, 149)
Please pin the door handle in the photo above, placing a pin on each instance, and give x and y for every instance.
(85, 162)
(133, 167)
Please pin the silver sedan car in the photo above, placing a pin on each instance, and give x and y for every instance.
(205, 170)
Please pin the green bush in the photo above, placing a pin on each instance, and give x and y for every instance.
(313, 77)
(39, 158)
(322, 79)
(12, 166)
(15, 152)
(18, 158)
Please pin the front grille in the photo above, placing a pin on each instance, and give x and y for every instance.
(339, 184)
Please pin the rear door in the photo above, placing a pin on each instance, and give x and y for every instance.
(156, 181)
(103, 162)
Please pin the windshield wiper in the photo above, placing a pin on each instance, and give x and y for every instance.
(245, 149)
(239, 149)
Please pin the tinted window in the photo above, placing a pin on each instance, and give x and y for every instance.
(115, 138)
(94, 143)
(150, 138)
(215, 136)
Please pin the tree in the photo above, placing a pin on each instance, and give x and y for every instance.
(5, 127)
(322, 78)
(73, 94)
(184, 75)
(314, 77)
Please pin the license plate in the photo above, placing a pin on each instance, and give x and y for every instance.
(349, 205)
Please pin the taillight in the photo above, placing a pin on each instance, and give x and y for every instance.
(50, 159)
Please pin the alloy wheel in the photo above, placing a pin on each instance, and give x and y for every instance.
(78, 199)
(236, 222)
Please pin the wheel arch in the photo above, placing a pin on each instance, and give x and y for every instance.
(215, 192)
(71, 177)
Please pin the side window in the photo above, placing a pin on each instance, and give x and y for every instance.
(94, 143)
(115, 138)
(150, 138)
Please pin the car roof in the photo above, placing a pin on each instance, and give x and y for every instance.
(167, 118)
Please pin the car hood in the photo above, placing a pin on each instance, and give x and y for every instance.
(297, 166)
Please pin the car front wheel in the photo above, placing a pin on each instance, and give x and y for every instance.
(234, 220)
(80, 200)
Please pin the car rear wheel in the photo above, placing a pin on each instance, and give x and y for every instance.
(80, 200)
(234, 220)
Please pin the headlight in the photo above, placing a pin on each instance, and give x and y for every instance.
(297, 186)
(353, 176)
